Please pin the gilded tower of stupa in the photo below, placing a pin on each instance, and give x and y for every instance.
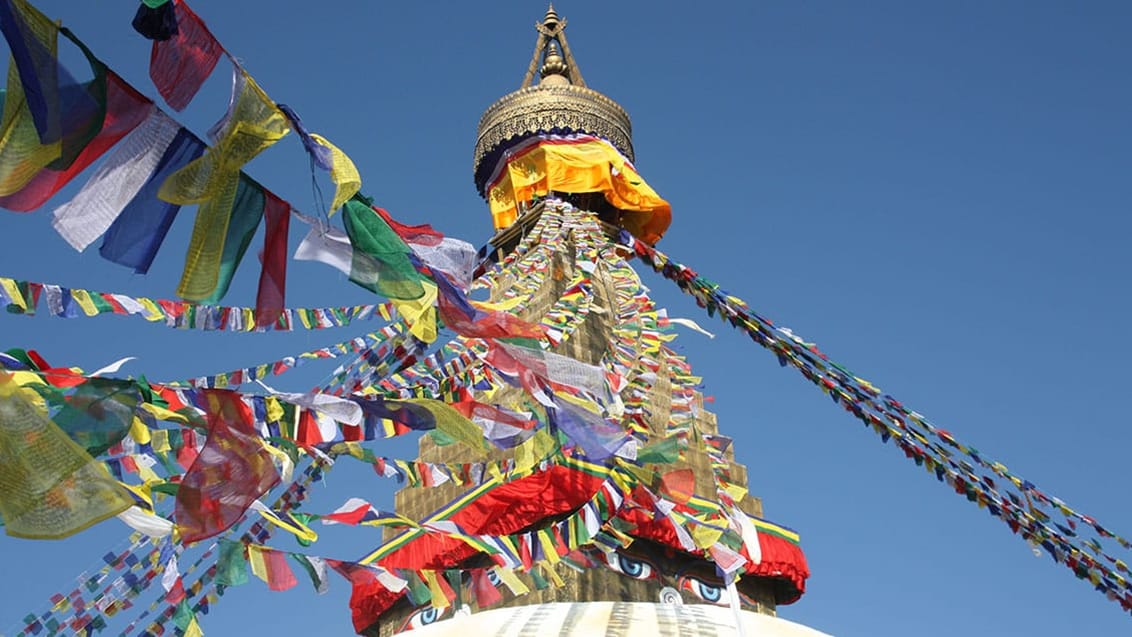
(628, 512)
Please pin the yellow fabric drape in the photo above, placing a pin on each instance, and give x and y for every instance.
(343, 173)
(50, 487)
(211, 180)
(579, 167)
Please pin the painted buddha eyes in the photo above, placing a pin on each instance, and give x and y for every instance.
(424, 617)
(629, 566)
(707, 592)
(493, 577)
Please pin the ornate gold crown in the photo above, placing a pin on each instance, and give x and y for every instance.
(560, 103)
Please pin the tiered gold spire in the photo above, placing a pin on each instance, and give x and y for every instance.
(559, 103)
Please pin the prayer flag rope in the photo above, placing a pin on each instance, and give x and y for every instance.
(1017, 502)
(26, 297)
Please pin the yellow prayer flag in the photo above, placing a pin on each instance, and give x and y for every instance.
(50, 487)
(153, 311)
(342, 172)
(12, 290)
(82, 297)
(420, 313)
(705, 536)
(141, 434)
(512, 581)
(546, 539)
(257, 562)
(22, 154)
(736, 491)
(161, 413)
(439, 599)
(550, 572)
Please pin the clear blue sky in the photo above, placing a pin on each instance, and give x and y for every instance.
(935, 193)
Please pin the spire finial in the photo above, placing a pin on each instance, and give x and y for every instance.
(551, 19)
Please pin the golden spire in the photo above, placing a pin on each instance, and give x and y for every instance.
(559, 103)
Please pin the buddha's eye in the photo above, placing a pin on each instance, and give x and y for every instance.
(709, 593)
(630, 566)
(424, 617)
(493, 577)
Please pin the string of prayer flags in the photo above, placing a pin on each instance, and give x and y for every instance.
(179, 64)
(24, 297)
(1026, 510)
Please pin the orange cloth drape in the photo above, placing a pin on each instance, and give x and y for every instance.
(577, 165)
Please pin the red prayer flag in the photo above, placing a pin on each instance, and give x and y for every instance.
(125, 110)
(679, 485)
(269, 299)
(280, 577)
(487, 595)
(423, 234)
(180, 65)
(232, 470)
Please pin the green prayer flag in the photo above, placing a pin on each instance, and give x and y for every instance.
(231, 566)
(381, 259)
(661, 452)
(315, 568)
(246, 215)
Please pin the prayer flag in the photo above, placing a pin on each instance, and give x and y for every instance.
(180, 65)
(138, 232)
(49, 486)
(116, 182)
(271, 567)
(246, 215)
(232, 470)
(271, 294)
